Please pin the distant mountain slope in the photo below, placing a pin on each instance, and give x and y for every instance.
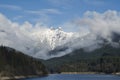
(15, 63)
(81, 61)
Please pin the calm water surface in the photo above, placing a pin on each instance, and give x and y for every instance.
(77, 77)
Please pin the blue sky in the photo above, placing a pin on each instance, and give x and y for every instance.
(53, 12)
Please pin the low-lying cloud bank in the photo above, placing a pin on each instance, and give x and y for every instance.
(37, 40)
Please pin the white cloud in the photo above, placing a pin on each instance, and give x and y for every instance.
(37, 40)
(92, 27)
(64, 4)
(11, 7)
(34, 40)
(44, 11)
(102, 24)
(44, 14)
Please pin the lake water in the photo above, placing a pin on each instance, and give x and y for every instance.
(77, 77)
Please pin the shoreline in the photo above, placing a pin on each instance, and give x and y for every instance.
(117, 73)
(20, 77)
(17, 77)
(32, 76)
(80, 73)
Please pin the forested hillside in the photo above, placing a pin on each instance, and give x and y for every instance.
(105, 59)
(15, 63)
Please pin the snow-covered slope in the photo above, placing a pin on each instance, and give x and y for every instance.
(47, 40)
(52, 37)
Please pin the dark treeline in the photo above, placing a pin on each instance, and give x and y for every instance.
(105, 60)
(15, 63)
(106, 64)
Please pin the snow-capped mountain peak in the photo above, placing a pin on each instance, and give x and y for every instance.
(53, 37)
